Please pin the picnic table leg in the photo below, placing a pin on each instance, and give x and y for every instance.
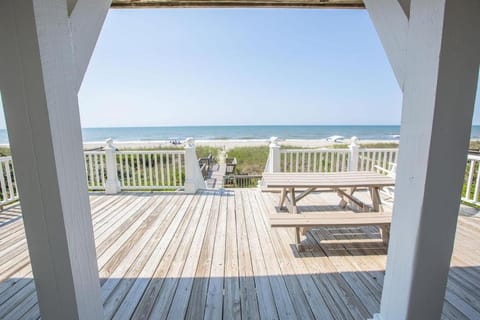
(282, 197)
(293, 201)
(298, 240)
(343, 203)
(376, 200)
(385, 234)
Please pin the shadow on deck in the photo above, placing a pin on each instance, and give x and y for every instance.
(213, 255)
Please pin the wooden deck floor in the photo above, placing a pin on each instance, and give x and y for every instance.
(213, 255)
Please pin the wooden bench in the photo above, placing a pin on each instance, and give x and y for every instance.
(311, 220)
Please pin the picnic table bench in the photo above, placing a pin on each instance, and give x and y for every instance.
(345, 184)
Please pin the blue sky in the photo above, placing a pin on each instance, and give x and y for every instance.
(252, 66)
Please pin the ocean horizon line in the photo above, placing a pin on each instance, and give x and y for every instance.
(240, 132)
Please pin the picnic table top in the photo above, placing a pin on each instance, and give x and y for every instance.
(326, 180)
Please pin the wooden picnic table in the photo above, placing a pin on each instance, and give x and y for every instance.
(345, 184)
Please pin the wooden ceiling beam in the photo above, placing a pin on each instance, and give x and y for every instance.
(349, 4)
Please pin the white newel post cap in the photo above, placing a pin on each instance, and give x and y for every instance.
(353, 141)
(189, 142)
(109, 144)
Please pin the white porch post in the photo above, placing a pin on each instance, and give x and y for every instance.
(441, 70)
(274, 156)
(353, 156)
(112, 185)
(39, 82)
(193, 175)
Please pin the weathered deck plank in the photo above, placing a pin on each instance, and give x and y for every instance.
(213, 255)
(198, 295)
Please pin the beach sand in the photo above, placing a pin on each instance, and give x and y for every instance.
(231, 143)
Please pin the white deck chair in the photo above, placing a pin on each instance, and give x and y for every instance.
(388, 192)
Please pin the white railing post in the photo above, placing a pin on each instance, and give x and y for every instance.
(353, 156)
(273, 164)
(112, 185)
(193, 175)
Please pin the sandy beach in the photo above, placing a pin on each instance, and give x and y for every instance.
(228, 144)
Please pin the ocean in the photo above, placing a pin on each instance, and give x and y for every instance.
(239, 132)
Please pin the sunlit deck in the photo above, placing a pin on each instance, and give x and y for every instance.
(213, 255)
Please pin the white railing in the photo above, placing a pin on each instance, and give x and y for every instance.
(8, 185)
(382, 160)
(95, 165)
(241, 181)
(471, 188)
(111, 171)
(151, 169)
(319, 160)
(370, 159)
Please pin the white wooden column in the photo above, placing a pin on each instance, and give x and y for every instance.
(441, 71)
(39, 83)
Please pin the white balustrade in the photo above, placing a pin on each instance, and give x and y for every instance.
(8, 185)
(472, 180)
(112, 170)
(96, 169)
(327, 159)
(151, 169)
(310, 160)
(370, 159)
(336, 160)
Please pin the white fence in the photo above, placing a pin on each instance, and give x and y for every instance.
(8, 184)
(151, 169)
(112, 171)
(172, 169)
(336, 160)
(321, 160)
(471, 187)
(382, 160)
(328, 159)
(95, 166)
(138, 170)
(370, 159)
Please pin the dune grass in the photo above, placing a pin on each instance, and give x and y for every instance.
(250, 160)
(4, 152)
(204, 151)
